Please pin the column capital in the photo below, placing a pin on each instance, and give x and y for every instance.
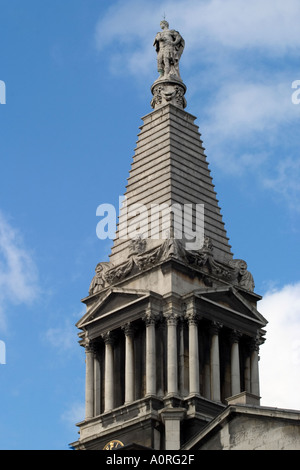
(215, 327)
(108, 337)
(235, 336)
(128, 329)
(151, 318)
(172, 318)
(256, 342)
(90, 346)
(189, 311)
(192, 317)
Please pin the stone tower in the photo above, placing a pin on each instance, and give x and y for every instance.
(171, 330)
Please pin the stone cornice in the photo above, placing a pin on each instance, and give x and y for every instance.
(201, 261)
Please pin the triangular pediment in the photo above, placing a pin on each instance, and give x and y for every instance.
(231, 300)
(115, 299)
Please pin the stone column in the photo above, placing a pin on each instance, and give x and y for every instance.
(172, 365)
(247, 373)
(235, 363)
(150, 321)
(129, 363)
(97, 386)
(182, 387)
(254, 369)
(89, 381)
(215, 387)
(109, 372)
(194, 376)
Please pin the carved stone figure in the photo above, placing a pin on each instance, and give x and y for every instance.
(243, 277)
(173, 249)
(98, 281)
(169, 46)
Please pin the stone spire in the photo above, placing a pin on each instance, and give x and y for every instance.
(169, 87)
(169, 166)
(171, 332)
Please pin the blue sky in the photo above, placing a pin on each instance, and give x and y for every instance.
(78, 77)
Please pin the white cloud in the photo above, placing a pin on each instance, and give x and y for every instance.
(234, 24)
(285, 181)
(270, 24)
(18, 272)
(243, 108)
(280, 355)
(248, 113)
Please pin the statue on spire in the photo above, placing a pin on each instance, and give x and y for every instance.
(169, 46)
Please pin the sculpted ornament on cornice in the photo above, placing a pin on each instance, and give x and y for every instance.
(137, 245)
(235, 271)
(99, 281)
(117, 273)
(241, 275)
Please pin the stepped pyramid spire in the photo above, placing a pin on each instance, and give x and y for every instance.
(171, 329)
(169, 165)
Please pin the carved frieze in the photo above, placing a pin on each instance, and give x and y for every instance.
(234, 271)
(137, 245)
(117, 273)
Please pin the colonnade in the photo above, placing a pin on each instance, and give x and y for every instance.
(151, 361)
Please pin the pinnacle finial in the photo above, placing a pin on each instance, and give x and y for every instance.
(169, 45)
(168, 88)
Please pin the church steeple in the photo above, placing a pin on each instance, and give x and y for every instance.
(171, 329)
(169, 166)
